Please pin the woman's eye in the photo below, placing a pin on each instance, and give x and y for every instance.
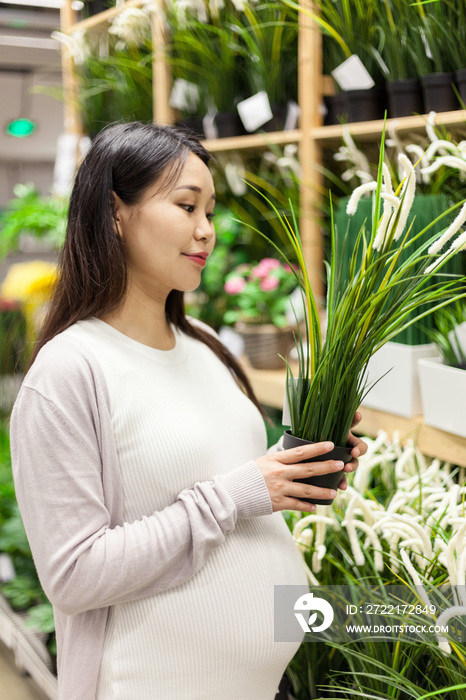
(188, 207)
(211, 216)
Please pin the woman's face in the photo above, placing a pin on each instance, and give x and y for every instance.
(169, 235)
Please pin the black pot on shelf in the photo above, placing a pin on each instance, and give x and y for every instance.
(328, 481)
(460, 77)
(192, 125)
(337, 108)
(438, 92)
(228, 124)
(279, 112)
(404, 97)
(366, 105)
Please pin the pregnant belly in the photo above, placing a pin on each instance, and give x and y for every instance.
(213, 636)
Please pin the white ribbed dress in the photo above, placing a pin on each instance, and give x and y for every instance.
(179, 418)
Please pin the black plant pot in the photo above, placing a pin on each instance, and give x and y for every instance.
(439, 95)
(278, 120)
(366, 105)
(460, 76)
(337, 108)
(228, 124)
(404, 97)
(192, 125)
(328, 481)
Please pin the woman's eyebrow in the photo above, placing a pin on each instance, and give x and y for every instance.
(194, 188)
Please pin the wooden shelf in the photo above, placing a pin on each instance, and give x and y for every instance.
(269, 386)
(370, 131)
(252, 141)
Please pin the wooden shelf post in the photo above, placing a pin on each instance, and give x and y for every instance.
(309, 98)
(71, 118)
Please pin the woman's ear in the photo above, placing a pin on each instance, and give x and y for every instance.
(117, 207)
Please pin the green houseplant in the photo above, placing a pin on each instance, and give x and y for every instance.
(365, 309)
(398, 524)
(259, 293)
(267, 39)
(41, 217)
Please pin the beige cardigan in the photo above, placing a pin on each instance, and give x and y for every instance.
(68, 487)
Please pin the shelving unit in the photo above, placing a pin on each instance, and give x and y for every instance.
(312, 137)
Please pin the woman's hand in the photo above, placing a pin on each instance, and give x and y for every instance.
(358, 448)
(280, 469)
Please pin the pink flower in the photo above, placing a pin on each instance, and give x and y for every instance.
(235, 285)
(264, 267)
(269, 263)
(269, 284)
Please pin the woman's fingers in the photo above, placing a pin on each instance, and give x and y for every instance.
(304, 470)
(281, 470)
(358, 448)
(298, 454)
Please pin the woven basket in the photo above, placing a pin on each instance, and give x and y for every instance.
(263, 344)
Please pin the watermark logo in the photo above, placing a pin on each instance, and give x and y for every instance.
(344, 613)
(309, 603)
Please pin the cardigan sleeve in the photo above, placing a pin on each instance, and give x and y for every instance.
(83, 561)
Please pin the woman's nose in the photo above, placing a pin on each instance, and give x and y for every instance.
(204, 229)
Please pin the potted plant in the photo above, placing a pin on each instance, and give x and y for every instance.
(267, 39)
(30, 217)
(365, 310)
(443, 379)
(400, 45)
(114, 74)
(259, 293)
(206, 53)
(352, 25)
(441, 28)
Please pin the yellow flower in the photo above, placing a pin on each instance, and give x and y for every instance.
(32, 284)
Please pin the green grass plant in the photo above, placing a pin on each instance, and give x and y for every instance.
(413, 509)
(392, 281)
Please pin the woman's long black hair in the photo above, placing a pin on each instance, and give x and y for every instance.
(125, 159)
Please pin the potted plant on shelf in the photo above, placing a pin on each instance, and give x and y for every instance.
(352, 25)
(382, 295)
(441, 26)
(260, 294)
(400, 45)
(32, 223)
(205, 52)
(114, 70)
(267, 39)
(443, 379)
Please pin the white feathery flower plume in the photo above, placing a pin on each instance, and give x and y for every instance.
(76, 44)
(349, 152)
(458, 244)
(132, 26)
(392, 203)
(407, 194)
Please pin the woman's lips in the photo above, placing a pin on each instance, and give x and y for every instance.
(198, 258)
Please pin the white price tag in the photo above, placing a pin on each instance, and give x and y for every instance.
(255, 111)
(184, 96)
(352, 75)
(208, 124)
(292, 116)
